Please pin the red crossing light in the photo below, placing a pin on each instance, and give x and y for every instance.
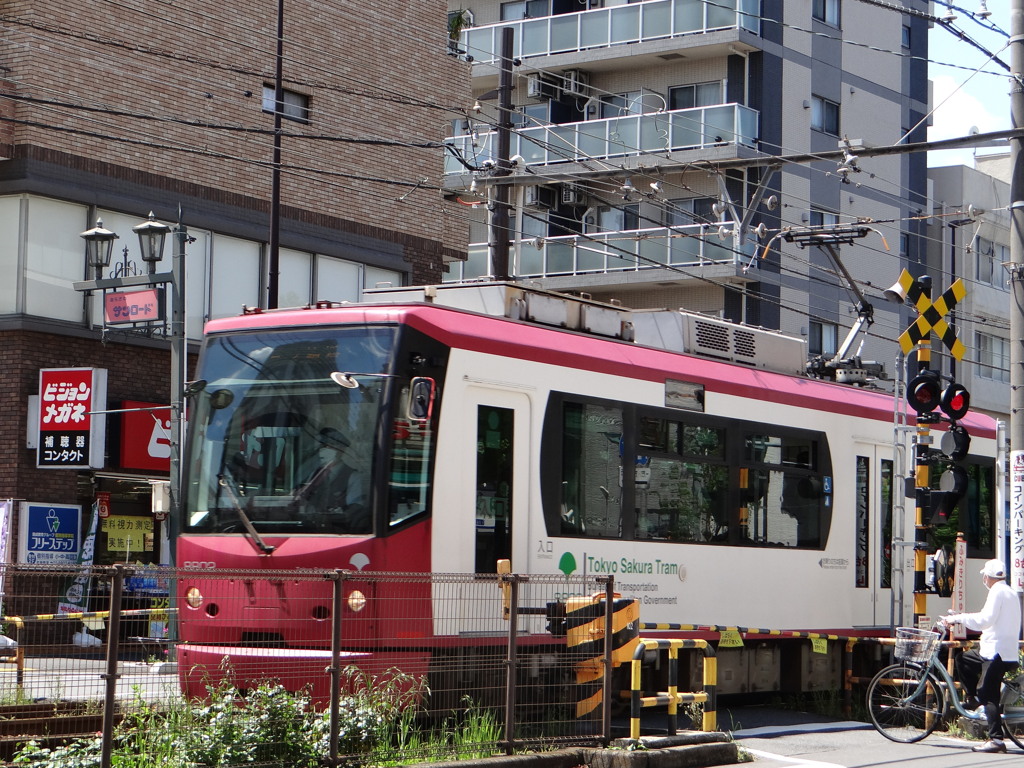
(924, 392)
(956, 401)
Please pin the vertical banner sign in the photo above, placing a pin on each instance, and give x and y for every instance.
(74, 597)
(6, 509)
(70, 435)
(1017, 519)
(49, 534)
(960, 587)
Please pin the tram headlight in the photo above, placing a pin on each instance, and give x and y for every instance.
(356, 601)
(193, 597)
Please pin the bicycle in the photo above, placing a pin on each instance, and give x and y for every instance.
(908, 700)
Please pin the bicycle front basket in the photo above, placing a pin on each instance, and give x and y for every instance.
(915, 644)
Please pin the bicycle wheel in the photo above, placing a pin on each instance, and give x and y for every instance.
(894, 713)
(1012, 701)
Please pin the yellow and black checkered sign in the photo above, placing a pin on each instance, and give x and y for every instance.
(931, 315)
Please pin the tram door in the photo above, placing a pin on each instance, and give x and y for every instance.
(873, 529)
(501, 487)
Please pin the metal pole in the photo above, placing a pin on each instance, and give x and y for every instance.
(335, 668)
(274, 245)
(178, 372)
(512, 667)
(503, 167)
(922, 484)
(606, 680)
(110, 677)
(1017, 298)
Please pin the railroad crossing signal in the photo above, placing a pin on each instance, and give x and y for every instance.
(931, 314)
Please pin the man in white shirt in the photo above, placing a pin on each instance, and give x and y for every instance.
(999, 624)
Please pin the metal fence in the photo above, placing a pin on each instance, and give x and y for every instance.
(209, 667)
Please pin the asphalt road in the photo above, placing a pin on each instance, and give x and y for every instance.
(818, 743)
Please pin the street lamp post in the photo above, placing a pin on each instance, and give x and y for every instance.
(152, 234)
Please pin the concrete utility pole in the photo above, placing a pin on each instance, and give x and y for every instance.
(503, 167)
(1017, 298)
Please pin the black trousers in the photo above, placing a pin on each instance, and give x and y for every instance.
(973, 669)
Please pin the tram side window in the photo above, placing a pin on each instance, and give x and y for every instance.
(681, 496)
(591, 492)
(409, 483)
(781, 493)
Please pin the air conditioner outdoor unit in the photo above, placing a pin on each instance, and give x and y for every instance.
(539, 196)
(572, 195)
(540, 87)
(575, 83)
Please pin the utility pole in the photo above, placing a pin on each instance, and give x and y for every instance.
(503, 166)
(274, 244)
(1017, 298)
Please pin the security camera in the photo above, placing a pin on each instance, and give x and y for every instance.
(517, 159)
(488, 164)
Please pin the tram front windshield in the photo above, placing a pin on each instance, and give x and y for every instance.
(276, 443)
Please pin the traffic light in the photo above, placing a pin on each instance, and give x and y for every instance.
(952, 487)
(924, 392)
(954, 446)
(956, 401)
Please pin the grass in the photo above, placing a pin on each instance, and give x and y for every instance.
(381, 723)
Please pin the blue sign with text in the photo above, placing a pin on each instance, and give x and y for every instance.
(51, 534)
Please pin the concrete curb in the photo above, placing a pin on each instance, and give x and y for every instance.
(688, 750)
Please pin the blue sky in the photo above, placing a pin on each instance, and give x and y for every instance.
(961, 99)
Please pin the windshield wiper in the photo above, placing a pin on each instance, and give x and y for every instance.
(227, 482)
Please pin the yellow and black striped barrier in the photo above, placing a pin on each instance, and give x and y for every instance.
(672, 698)
(585, 635)
(19, 621)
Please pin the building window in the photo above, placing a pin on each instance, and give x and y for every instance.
(993, 357)
(696, 95)
(295, 106)
(532, 115)
(826, 11)
(905, 40)
(820, 218)
(690, 210)
(824, 116)
(622, 104)
(525, 9)
(619, 219)
(822, 338)
(989, 258)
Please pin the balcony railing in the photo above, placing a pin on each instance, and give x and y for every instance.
(603, 27)
(675, 130)
(629, 251)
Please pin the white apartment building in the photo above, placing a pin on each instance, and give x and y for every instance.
(665, 148)
(969, 239)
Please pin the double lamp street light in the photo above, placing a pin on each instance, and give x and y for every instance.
(99, 245)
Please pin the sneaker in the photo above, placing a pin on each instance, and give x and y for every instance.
(990, 746)
(972, 703)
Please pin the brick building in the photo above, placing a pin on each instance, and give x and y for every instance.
(109, 111)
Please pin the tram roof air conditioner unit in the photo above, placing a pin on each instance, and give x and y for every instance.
(540, 87)
(575, 83)
(573, 195)
(539, 196)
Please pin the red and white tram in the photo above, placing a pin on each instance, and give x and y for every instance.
(685, 455)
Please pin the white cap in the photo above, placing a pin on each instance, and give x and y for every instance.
(994, 569)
